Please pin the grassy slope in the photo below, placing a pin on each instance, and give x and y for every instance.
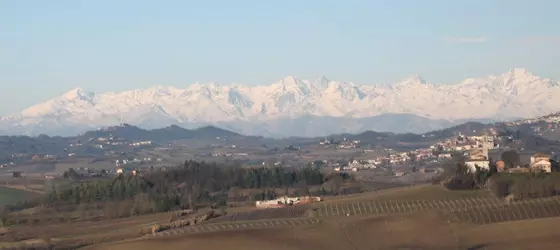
(422, 192)
(12, 195)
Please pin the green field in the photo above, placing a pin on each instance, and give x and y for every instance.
(11, 195)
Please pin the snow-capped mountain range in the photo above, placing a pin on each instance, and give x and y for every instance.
(296, 107)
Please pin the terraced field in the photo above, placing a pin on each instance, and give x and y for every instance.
(522, 210)
(401, 206)
(262, 214)
(462, 209)
(295, 216)
(215, 227)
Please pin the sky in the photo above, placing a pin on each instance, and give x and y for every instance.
(50, 47)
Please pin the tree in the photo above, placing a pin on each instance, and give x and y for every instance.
(16, 174)
(318, 163)
(462, 170)
(195, 184)
(334, 182)
(234, 193)
(555, 166)
(2, 216)
(481, 176)
(303, 189)
(511, 158)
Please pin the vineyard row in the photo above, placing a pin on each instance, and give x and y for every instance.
(532, 209)
(239, 225)
(407, 206)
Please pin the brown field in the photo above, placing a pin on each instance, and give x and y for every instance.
(414, 226)
(384, 232)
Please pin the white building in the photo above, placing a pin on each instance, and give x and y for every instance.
(541, 162)
(478, 158)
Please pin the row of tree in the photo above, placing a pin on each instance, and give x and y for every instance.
(526, 185)
(192, 185)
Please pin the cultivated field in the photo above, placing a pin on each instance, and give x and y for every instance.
(11, 195)
(495, 212)
(263, 214)
(420, 192)
(235, 225)
(403, 231)
(388, 219)
(402, 206)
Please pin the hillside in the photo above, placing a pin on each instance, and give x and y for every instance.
(12, 195)
(115, 137)
(162, 135)
(389, 219)
(535, 133)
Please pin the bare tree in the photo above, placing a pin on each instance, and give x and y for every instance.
(335, 182)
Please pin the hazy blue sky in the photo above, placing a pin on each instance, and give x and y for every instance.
(49, 47)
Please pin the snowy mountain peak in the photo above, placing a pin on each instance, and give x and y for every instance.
(77, 93)
(519, 72)
(290, 80)
(516, 93)
(414, 80)
(322, 82)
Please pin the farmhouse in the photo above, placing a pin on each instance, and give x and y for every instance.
(478, 158)
(540, 163)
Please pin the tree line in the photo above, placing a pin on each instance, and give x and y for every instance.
(526, 185)
(192, 185)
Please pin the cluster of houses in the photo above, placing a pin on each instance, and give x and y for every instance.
(479, 158)
(228, 154)
(476, 149)
(121, 162)
(103, 142)
(552, 124)
(18, 158)
(552, 118)
(439, 151)
(126, 170)
(6, 165)
(38, 157)
(345, 143)
(463, 143)
(140, 143)
(276, 163)
(356, 165)
(286, 201)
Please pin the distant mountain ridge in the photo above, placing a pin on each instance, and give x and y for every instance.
(161, 135)
(57, 145)
(295, 107)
